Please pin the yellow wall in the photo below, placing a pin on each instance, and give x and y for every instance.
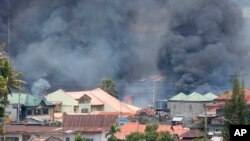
(68, 102)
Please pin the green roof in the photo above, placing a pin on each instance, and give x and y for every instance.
(197, 97)
(210, 95)
(179, 97)
(26, 99)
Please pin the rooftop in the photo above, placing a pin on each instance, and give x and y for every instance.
(193, 97)
(130, 127)
(84, 122)
(100, 97)
(227, 95)
(26, 99)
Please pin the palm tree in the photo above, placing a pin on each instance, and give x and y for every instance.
(109, 86)
(9, 80)
(111, 134)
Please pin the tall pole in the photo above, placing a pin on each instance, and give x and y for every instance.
(18, 109)
(205, 131)
(8, 27)
(154, 89)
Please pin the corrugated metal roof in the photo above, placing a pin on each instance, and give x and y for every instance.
(197, 97)
(26, 99)
(89, 121)
(210, 95)
(179, 97)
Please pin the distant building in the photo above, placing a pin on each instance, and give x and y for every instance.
(217, 109)
(30, 107)
(190, 105)
(87, 102)
(93, 127)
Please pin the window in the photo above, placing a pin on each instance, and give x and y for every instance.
(89, 139)
(38, 112)
(46, 111)
(67, 139)
(29, 112)
(84, 110)
(26, 137)
(84, 101)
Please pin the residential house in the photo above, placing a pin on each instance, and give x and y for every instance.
(190, 105)
(131, 127)
(93, 127)
(30, 107)
(217, 109)
(87, 102)
(27, 132)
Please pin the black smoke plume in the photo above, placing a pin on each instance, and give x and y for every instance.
(201, 47)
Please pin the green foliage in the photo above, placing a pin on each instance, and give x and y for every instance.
(235, 108)
(150, 132)
(151, 128)
(80, 137)
(201, 125)
(111, 133)
(108, 86)
(135, 136)
(57, 123)
(9, 80)
(151, 136)
(165, 136)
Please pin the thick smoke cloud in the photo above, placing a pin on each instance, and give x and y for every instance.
(202, 46)
(75, 44)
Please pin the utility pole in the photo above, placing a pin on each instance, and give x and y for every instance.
(18, 109)
(205, 131)
(154, 93)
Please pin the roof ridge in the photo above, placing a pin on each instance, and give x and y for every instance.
(117, 100)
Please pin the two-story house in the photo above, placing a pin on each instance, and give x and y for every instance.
(30, 106)
(87, 102)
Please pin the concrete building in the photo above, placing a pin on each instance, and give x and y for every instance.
(190, 105)
(30, 106)
(92, 127)
(87, 102)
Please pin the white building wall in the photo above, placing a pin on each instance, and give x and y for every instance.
(186, 109)
(95, 137)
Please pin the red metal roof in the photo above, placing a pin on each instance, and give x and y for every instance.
(228, 95)
(100, 122)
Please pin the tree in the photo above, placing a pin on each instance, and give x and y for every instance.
(80, 137)
(9, 80)
(235, 108)
(151, 133)
(108, 86)
(201, 125)
(111, 133)
(165, 136)
(135, 136)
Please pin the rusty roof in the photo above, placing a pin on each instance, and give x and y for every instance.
(33, 129)
(191, 134)
(100, 122)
